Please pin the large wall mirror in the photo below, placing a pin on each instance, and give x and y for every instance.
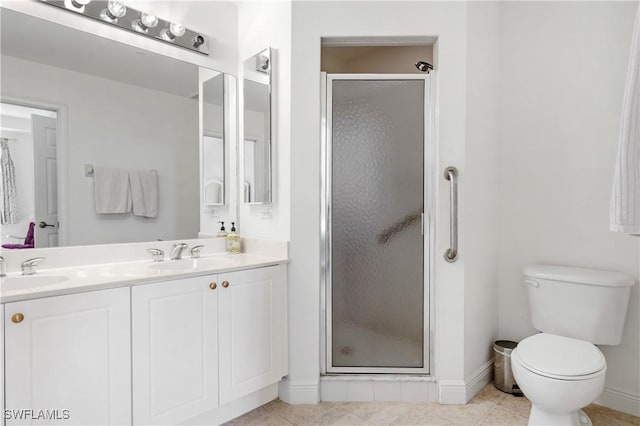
(257, 143)
(103, 139)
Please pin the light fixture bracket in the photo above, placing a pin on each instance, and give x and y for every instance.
(191, 40)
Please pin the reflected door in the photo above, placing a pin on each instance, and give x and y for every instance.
(46, 181)
(376, 300)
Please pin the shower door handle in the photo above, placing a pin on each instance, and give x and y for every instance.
(451, 255)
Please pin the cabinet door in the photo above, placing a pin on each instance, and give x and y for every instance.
(251, 326)
(70, 353)
(175, 350)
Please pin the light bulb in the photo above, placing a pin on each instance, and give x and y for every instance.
(197, 41)
(114, 10)
(76, 5)
(175, 30)
(145, 22)
(149, 20)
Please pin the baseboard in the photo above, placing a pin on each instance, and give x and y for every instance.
(478, 380)
(452, 392)
(620, 400)
(462, 391)
(299, 392)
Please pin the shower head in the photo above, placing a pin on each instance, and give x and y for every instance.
(424, 66)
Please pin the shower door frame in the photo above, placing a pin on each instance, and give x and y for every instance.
(428, 223)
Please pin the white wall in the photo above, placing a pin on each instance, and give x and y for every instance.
(119, 126)
(311, 21)
(562, 77)
(260, 25)
(482, 183)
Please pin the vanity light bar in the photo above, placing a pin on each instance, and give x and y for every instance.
(116, 13)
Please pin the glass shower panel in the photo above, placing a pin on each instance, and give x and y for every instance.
(377, 196)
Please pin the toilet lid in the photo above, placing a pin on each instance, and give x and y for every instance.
(561, 357)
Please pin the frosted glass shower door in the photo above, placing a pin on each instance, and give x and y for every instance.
(375, 165)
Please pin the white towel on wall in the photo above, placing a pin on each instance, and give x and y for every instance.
(144, 192)
(111, 191)
(624, 210)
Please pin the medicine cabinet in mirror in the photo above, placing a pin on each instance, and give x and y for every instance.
(257, 143)
(213, 146)
(104, 138)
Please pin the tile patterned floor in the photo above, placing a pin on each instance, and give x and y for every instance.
(489, 407)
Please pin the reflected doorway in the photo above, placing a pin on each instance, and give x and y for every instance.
(29, 206)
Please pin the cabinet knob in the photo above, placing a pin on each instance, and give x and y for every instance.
(225, 284)
(213, 286)
(17, 318)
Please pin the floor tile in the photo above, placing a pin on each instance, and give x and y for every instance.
(499, 416)
(422, 415)
(487, 408)
(379, 413)
(305, 414)
(467, 414)
(517, 404)
(601, 416)
(490, 393)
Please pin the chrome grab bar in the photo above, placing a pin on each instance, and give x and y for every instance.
(451, 255)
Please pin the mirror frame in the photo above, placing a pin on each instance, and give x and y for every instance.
(205, 75)
(270, 198)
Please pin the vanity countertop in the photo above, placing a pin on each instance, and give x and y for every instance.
(67, 280)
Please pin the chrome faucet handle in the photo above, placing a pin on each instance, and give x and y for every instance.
(195, 251)
(29, 265)
(3, 267)
(157, 255)
(176, 251)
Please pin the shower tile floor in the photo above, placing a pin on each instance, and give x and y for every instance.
(489, 407)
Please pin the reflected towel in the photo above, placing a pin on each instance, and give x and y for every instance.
(624, 209)
(144, 192)
(111, 191)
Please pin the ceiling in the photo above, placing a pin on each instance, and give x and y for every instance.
(36, 40)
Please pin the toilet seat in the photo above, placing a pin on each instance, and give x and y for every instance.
(560, 357)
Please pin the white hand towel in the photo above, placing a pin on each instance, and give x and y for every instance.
(144, 191)
(111, 192)
(624, 209)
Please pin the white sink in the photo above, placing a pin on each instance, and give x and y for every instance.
(26, 282)
(191, 264)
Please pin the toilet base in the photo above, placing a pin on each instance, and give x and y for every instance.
(542, 418)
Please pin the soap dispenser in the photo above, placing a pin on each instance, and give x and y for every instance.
(233, 240)
(223, 232)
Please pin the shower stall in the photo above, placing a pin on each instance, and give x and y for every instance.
(376, 222)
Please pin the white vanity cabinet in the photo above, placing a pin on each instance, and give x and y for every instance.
(71, 353)
(175, 349)
(199, 343)
(252, 330)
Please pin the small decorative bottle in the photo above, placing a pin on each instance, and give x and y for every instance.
(233, 240)
(222, 233)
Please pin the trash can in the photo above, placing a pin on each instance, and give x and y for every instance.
(502, 373)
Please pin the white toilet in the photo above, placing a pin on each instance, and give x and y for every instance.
(560, 369)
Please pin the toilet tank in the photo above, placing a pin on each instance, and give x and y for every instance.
(585, 304)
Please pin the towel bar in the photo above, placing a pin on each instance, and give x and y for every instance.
(451, 255)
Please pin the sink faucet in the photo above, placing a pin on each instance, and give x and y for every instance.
(195, 252)
(157, 255)
(176, 251)
(3, 268)
(29, 266)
